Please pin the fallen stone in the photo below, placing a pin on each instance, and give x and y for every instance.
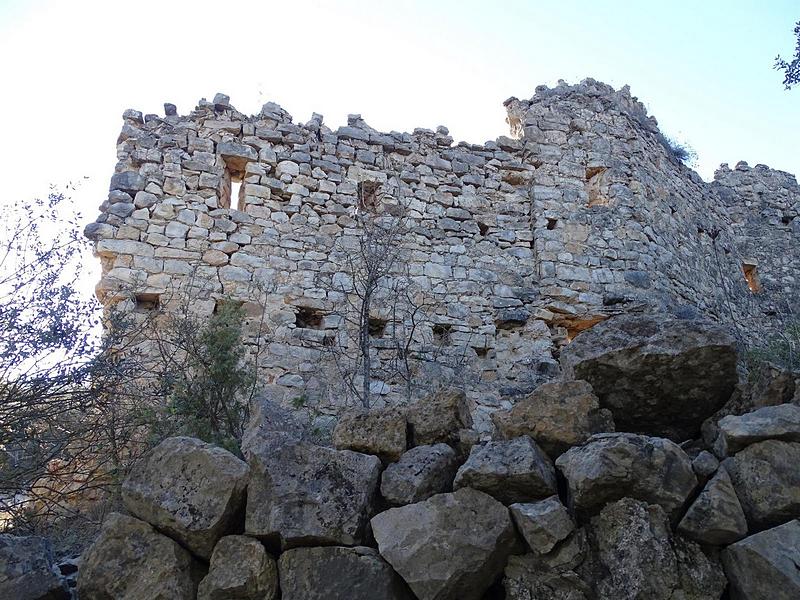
(658, 375)
(716, 516)
(337, 573)
(27, 571)
(378, 432)
(764, 566)
(132, 561)
(438, 418)
(705, 465)
(268, 418)
(766, 478)
(736, 432)
(449, 547)
(240, 568)
(543, 524)
(611, 466)
(636, 557)
(511, 471)
(557, 415)
(302, 494)
(524, 579)
(419, 474)
(188, 489)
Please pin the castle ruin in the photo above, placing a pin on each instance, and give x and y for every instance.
(583, 211)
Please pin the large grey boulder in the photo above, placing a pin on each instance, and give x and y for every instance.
(449, 547)
(736, 432)
(188, 489)
(524, 579)
(268, 419)
(543, 524)
(439, 418)
(302, 494)
(766, 477)
(636, 557)
(378, 432)
(765, 566)
(511, 471)
(558, 415)
(337, 573)
(716, 516)
(658, 375)
(240, 569)
(611, 466)
(132, 561)
(419, 474)
(27, 571)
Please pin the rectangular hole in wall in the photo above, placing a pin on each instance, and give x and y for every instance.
(441, 334)
(751, 276)
(231, 193)
(377, 327)
(220, 305)
(146, 302)
(308, 318)
(368, 194)
(551, 224)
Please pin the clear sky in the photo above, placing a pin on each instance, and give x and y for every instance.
(68, 69)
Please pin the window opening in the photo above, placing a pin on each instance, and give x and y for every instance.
(751, 277)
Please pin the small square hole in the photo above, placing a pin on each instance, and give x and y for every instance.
(146, 302)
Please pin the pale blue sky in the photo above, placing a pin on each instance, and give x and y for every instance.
(69, 69)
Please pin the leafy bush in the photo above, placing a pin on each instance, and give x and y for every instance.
(681, 152)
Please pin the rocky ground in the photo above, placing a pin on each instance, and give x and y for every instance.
(647, 473)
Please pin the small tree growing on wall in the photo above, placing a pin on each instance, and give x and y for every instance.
(791, 68)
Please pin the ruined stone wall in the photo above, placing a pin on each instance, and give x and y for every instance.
(516, 245)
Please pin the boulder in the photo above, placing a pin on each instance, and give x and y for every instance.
(132, 561)
(766, 478)
(240, 568)
(337, 573)
(716, 516)
(658, 375)
(511, 471)
(773, 385)
(302, 494)
(765, 566)
(449, 547)
(637, 558)
(736, 432)
(378, 432)
(189, 490)
(268, 419)
(27, 571)
(524, 579)
(557, 415)
(419, 474)
(611, 466)
(439, 418)
(543, 524)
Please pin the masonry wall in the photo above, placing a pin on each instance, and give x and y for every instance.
(517, 245)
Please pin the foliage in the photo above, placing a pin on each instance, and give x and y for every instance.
(791, 68)
(782, 350)
(207, 381)
(681, 152)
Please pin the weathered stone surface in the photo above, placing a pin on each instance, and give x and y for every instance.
(543, 524)
(736, 432)
(27, 571)
(378, 432)
(302, 494)
(764, 566)
(449, 547)
(716, 516)
(188, 489)
(439, 417)
(611, 466)
(336, 573)
(511, 471)
(637, 558)
(419, 474)
(132, 561)
(524, 579)
(705, 465)
(240, 568)
(128, 181)
(658, 375)
(766, 478)
(557, 415)
(268, 418)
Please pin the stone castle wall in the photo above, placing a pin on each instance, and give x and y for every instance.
(516, 245)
